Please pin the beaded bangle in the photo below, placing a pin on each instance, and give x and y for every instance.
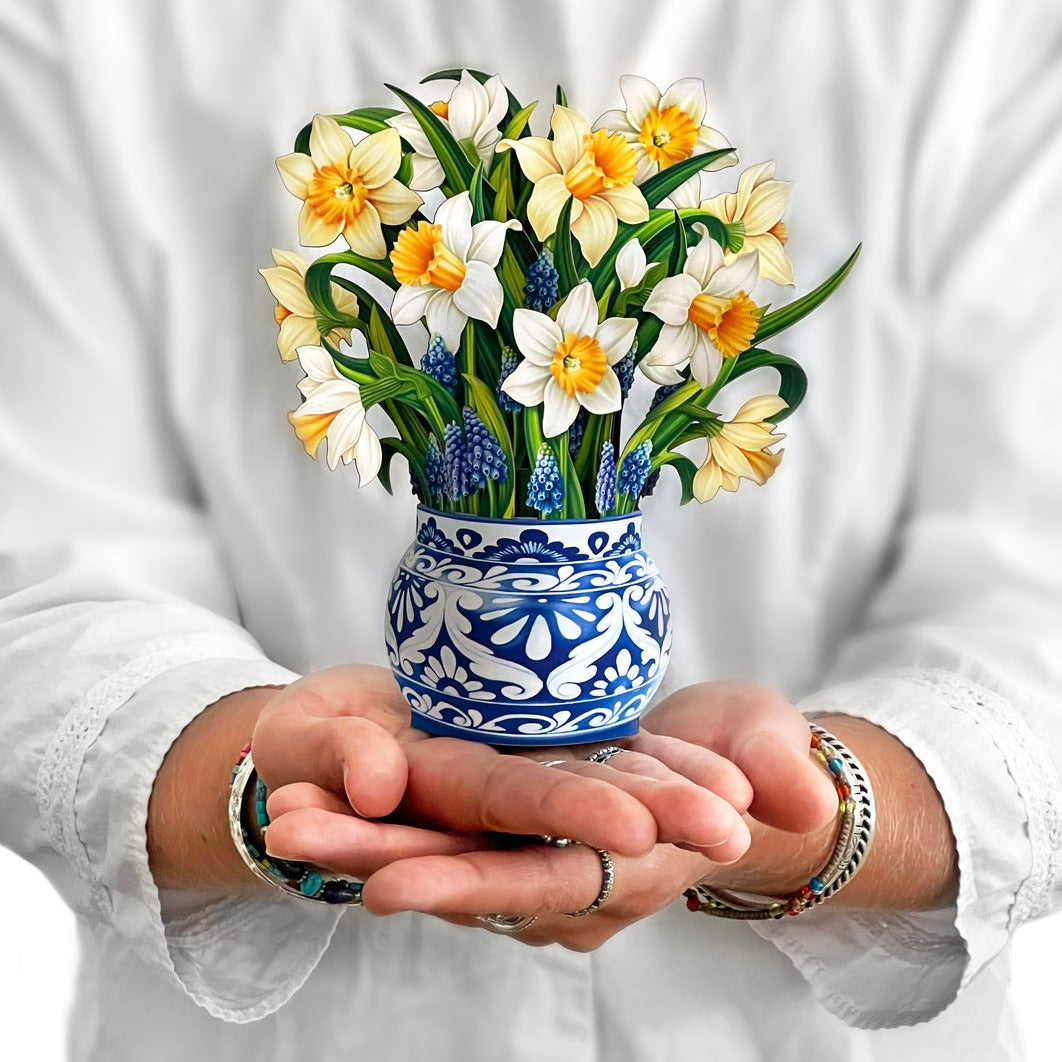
(303, 880)
(856, 814)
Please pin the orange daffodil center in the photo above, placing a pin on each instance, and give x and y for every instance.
(348, 188)
(758, 205)
(446, 271)
(595, 171)
(294, 312)
(707, 314)
(568, 363)
(663, 128)
(740, 449)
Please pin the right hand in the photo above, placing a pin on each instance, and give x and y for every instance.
(338, 754)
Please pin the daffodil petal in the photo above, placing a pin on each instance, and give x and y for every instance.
(314, 231)
(671, 299)
(468, 107)
(766, 206)
(709, 139)
(774, 262)
(291, 260)
(730, 457)
(526, 383)
(665, 375)
(690, 96)
(705, 360)
(411, 132)
(455, 217)
(751, 437)
(296, 171)
(480, 295)
(317, 363)
(410, 303)
(289, 289)
(329, 145)
(616, 337)
(707, 481)
(631, 264)
(627, 203)
(535, 155)
(344, 431)
(672, 347)
(722, 206)
(428, 173)
(376, 158)
(570, 130)
(703, 262)
(368, 456)
(295, 332)
(559, 409)
(760, 408)
(595, 228)
(688, 194)
(488, 241)
(641, 96)
(445, 318)
(395, 203)
(546, 203)
(537, 336)
(364, 234)
(645, 167)
(345, 301)
(615, 122)
(741, 275)
(330, 396)
(607, 397)
(579, 314)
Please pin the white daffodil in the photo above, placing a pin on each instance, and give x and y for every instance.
(295, 313)
(739, 450)
(631, 265)
(333, 410)
(567, 363)
(758, 204)
(665, 128)
(472, 114)
(594, 170)
(707, 315)
(447, 271)
(348, 188)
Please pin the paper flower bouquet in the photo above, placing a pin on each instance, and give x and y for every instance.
(539, 275)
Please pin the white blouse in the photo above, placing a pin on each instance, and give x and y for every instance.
(165, 541)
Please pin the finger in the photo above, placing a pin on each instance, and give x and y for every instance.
(472, 788)
(347, 844)
(298, 795)
(684, 812)
(535, 880)
(346, 754)
(700, 765)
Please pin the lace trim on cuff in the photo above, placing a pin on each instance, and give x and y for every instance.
(1033, 773)
(61, 765)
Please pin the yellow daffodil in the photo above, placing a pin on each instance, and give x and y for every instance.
(707, 315)
(594, 170)
(472, 114)
(333, 411)
(758, 204)
(295, 313)
(665, 127)
(567, 363)
(446, 269)
(348, 188)
(739, 450)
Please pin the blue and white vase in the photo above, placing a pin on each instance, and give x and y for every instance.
(528, 632)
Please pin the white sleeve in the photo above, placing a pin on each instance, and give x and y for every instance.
(118, 623)
(960, 654)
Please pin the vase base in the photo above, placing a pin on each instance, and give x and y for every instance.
(597, 736)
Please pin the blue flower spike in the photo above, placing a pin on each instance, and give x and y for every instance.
(545, 490)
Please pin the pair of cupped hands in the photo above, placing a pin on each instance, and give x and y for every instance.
(353, 788)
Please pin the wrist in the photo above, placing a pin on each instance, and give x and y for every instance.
(189, 844)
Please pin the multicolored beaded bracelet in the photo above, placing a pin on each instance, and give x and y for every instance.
(856, 813)
(303, 880)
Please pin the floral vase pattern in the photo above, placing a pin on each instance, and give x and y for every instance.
(528, 632)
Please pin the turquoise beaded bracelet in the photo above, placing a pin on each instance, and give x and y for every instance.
(246, 792)
(856, 813)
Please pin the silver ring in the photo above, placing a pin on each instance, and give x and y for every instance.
(552, 763)
(507, 923)
(604, 754)
(608, 879)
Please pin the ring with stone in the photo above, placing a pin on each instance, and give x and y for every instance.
(604, 754)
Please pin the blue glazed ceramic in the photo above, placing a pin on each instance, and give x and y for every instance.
(528, 632)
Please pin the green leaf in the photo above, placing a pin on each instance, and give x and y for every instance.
(686, 470)
(383, 336)
(678, 251)
(317, 276)
(455, 164)
(419, 389)
(662, 184)
(573, 508)
(479, 396)
(475, 193)
(793, 381)
(562, 96)
(391, 446)
(518, 123)
(773, 323)
(564, 253)
(367, 119)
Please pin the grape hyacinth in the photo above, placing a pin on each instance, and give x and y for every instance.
(484, 458)
(433, 471)
(509, 360)
(651, 482)
(625, 371)
(455, 471)
(575, 433)
(545, 490)
(439, 364)
(605, 490)
(635, 470)
(540, 286)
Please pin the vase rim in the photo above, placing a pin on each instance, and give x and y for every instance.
(530, 520)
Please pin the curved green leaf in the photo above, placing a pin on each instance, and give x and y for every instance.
(662, 184)
(564, 253)
(367, 119)
(686, 470)
(793, 381)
